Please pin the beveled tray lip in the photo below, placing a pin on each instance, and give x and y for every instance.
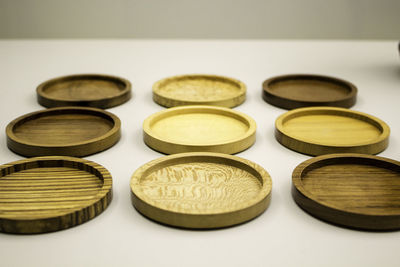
(385, 130)
(297, 177)
(264, 194)
(288, 103)
(251, 124)
(48, 100)
(105, 192)
(111, 117)
(223, 102)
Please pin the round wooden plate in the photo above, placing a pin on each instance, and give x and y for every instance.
(303, 90)
(69, 131)
(199, 128)
(47, 194)
(354, 190)
(92, 90)
(325, 130)
(201, 190)
(199, 89)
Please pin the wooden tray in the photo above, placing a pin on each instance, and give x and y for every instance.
(47, 194)
(303, 90)
(70, 131)
(92, 90)
(199, 90)
(201, 190)
(199, 128)
(354, 190)
(325, 130)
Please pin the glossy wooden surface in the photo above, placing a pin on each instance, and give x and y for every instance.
(47, 194)
(201, 190)
(199, 89)
(92, 90)
(199, 128)
(70, 131)
(353, 190)
(303, 90)
(324, 130)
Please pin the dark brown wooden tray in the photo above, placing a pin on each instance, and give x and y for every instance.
(68, 131)
(353, 190)
(47, 194)
(303, 90)
(92, 90)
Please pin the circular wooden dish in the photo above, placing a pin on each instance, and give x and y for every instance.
(47, 194)
(326, 130)
(199, 128)
(69, 131)
(199, 90)
(303, 90)
(201, 190)
(353, 190)
(92, 90)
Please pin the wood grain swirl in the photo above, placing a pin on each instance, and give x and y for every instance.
(201, 190)
(51, 193)
(199, 90)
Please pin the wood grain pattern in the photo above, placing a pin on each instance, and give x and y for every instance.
(91, 90)
(324, 130)
(199, 89)
(70, 131)
(303, 90)
(354, 190)
(46, 194)
(199, 128)
(201, 190)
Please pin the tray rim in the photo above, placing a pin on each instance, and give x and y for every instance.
(299, 191)
(148, 133)
(263, 197)
(114, 131)
(383, 137)
(223, 102)
(348, 101)
(47, 100)
(104, 194)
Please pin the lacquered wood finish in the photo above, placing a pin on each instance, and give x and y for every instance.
(353, 190)
(47, 194)
(199, 128)
(70, 131)
(304, 90)
(201, 190)
(91, 90)
(199, 89)
(325, 130)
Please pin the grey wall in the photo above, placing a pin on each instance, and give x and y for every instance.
(319, 19)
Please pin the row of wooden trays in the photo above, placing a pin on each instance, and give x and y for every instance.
(200, 185)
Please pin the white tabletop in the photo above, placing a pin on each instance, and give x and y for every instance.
(282, 236)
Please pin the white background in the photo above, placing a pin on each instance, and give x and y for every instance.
(239, 19)
(282, 236)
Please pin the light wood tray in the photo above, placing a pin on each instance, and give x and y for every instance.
(92, 90)
(325, 130)
(199, 89)
(303, 90)
(70, 131)
(201, 190)
(47, 194)
(353, 190)
(199, 128)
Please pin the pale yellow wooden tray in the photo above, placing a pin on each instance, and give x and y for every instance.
(325, 130)
(201, 190)
(47, 194)
(199, 128)
(199, 89)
